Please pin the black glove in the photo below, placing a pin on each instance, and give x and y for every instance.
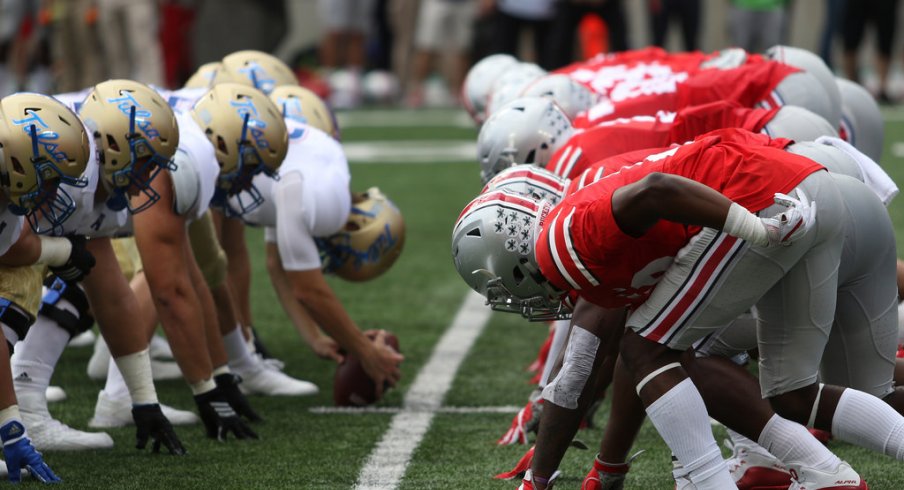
(79, 264)
(219, 418)
(228, 383)
(150, 423)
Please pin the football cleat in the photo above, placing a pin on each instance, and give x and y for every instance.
(521, 467)
(526, 420)
(159, 348)
(606, 476)
(100, 360)
(83, 339)
(165, 370)
(54, 394)
(821, 435)
(843, 478)
(529, 482)
(110, 413)
(753, 469)
(49, 434)
(265, 381)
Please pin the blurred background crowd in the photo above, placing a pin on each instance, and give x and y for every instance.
(416, 52)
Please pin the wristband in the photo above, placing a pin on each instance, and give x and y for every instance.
(745, 225)
(55, 251)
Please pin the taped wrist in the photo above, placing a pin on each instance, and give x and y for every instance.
(202, 387)
(55, 251)
(745, 225)
(11, 428)
(54, 306)
(136, 372)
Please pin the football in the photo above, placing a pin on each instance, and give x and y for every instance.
(352, 387)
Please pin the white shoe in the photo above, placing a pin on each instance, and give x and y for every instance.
(843, 478)
(54, 394)
(271, 363)
(751, 467)
(110, 413)
(164, 370)
(83, 339)
(100, 360)
(49, 434)
(160, 348)
(265, 381)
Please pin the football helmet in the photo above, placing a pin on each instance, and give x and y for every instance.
(798, 124)
(813, 65)
(861, 119)
(493, 251)
(301, 104)
(726, 59)
(529, 180)
(478, 84)
(369, 243)
(42, 143)
(260, 70)
(136, 135)
(572, 96)
(510, 84)
(203, 77)
(835, 160)
(249, 136)
(526, 130)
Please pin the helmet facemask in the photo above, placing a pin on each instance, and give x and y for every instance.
(45, 205)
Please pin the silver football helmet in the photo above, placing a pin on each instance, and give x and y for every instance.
(835, 160)
(813, 65)
(511, 84)
(532, 181)
(572, 96)
(861, 119)
(478, 84)
(526, 130)
(798, 124)
(493, 251)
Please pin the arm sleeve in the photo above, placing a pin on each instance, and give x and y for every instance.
(293, 237)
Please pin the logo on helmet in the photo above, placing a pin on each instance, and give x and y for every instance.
(255, 126)
(44, 137)
(142, 116)
(258, 76)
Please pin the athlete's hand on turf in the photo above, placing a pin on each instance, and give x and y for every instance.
(80, 261)
(228, 384)
(150, 423)
(791, 224)
(381, 363)
(219, 418)
(20, 454)
(327, 348)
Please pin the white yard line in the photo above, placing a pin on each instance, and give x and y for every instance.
(411, 151)
(386, 465)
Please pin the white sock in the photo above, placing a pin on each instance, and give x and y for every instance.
(46, 340)
(793, 445)
(116, 387)
(869, 422)
(681, 419)
(240, 358)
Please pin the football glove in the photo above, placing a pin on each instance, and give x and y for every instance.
(150, 423)
(791, 224)
(219, 418)
(80, 261)
(228, 384)
(526, 420)
(19, 453)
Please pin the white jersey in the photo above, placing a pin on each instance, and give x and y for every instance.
(183, 99)
(195, 176)
(311, 198)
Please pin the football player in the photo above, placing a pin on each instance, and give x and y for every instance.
(662, 385)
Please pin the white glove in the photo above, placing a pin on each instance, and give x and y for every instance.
(793, 223)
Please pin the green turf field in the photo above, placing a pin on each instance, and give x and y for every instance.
(302, 447)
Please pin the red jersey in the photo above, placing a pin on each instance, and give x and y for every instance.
(623, 135)
(748, 85)
(581, 246)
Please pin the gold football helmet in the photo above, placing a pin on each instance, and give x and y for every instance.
(260, 70)
(249, 136)
(203, 77)
(369, 243)
(136, 135)
(301, 104)
(42, 143)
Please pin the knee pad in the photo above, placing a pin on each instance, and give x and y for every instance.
(13, 319)
(577, 366)
(73, 323)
